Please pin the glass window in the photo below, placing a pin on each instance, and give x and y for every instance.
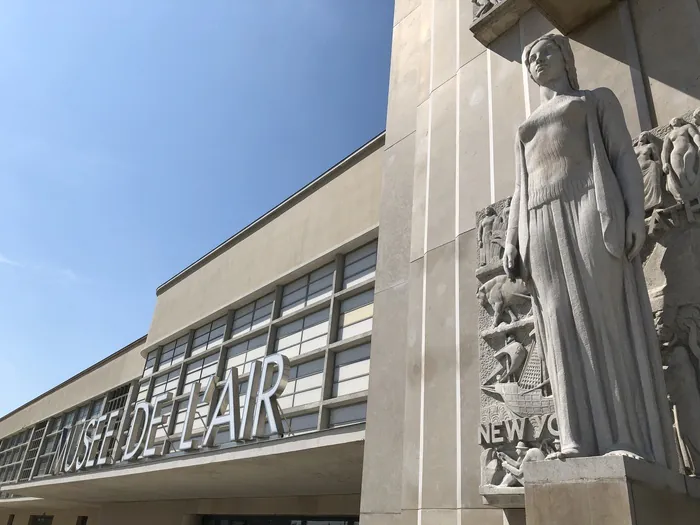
(351, 371)
(209, 336)
(356, 315)
(173, 352)
(244, 353)
(253, 315)
(304, 386)
(165, 383)
(96, 408)
(298, 424)
(303, 335)
(150, 363)
(308, 290)
(347, 415)
(360, 265)
(143, 391)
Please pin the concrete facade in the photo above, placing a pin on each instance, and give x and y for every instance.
(453, 111)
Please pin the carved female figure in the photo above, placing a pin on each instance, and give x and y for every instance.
(575, 229)
(680, 160)
(650, 163)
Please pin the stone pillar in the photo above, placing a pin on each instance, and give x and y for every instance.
(609, 491)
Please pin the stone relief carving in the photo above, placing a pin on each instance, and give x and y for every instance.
(516, 401)
(481, 7)
(517, 397)
(671, 259)
(576, 228)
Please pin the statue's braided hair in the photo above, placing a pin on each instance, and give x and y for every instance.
(565, 48)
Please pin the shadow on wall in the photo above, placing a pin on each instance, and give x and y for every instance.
(654, 46)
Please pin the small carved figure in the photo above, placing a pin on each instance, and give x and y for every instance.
(484, 7)
(490, 471)
(650, 162)
(680, 160)
(511, 358)
(484, 235)
(503, 294)
(682, 385)
(498, 236)
(515, 467)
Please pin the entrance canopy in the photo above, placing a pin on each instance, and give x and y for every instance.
(327, 462)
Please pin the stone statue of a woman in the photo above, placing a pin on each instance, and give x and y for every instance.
(575, 230)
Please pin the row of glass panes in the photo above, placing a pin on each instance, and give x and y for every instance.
(293, 339)
(307, 334)
(317, 286)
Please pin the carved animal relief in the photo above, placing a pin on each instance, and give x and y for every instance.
(517, 410)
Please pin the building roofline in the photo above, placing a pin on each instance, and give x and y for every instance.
(97, 365)
(356, 156)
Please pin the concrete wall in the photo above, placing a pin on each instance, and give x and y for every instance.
(339, 210)
(124, 367)
(454, 108)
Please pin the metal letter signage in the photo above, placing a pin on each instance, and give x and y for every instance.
(97, 442)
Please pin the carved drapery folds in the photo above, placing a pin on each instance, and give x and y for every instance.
(670, 160)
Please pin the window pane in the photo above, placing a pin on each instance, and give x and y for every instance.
(356, 315)
(209, 336)
(360, 265)
(351, 371)
(303, 335)
(310, 289)
(347, 415)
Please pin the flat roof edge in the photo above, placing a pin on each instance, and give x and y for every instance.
(359, 154)
(77, 376)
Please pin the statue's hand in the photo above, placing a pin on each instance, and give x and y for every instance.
(634, 238)
(667, 168)
(510, 258)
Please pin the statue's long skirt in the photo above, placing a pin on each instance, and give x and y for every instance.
(590, 325)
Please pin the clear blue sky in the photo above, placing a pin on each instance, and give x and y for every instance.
(137, 135)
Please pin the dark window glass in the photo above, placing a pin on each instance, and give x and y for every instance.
(82, 520)
(10, 519)
(40, 520)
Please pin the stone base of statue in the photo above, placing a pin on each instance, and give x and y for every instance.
(609, 491)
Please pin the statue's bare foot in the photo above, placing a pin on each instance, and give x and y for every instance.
(625, 453)
(564, 454)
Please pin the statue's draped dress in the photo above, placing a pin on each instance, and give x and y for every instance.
(592, 315)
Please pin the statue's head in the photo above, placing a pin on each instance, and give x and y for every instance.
(549, 58)
(677, 122)
(490, 211)
(521, 448)
(696, 116)
(510, 338)
(643, 138)
(481, 296)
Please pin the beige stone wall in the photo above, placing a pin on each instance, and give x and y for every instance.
(454, 108)
(333, 214)
(105, 376)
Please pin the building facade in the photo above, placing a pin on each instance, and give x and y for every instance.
(349, 310)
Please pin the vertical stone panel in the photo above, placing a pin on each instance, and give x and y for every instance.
(402, 8)
(474, 164)
(469, 370)
(602, 60)
(445, 41)
(383, 459)
(412, 422)
(419, 181)
(395, 215)
(425, 45)
(403, 79)
(439, 425)
(469, 47)
(668, 37)
(443, 138)
(508, 107)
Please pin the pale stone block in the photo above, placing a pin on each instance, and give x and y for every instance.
(443, 144)
(420, 179)
(445, 26)
(473, 142)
